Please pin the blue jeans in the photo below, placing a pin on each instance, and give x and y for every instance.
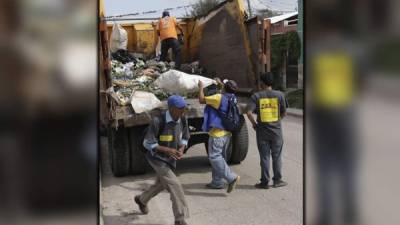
(268, 148)
(217, 148)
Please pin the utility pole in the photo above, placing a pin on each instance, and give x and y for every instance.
(248, 4)
(300, 32)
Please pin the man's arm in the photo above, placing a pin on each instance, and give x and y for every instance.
(150, 142)
(202, 99)
(251, 118)
(185, 135)
(158, 28)
(178, 26)
(169, 151)
(180, 29)
(219, 83)
(283, 106)
(250, 108)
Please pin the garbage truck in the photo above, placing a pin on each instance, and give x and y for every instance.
(226, 43)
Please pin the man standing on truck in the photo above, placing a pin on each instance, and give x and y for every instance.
(219, 136)
(270, 107)
(166, 139)
(169, 38)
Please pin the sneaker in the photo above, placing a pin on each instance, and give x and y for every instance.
(279, 183)
(261, 186)
(212, 186)
(233, 184)
(143, 208)
(180, 222)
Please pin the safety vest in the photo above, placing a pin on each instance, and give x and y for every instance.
(334, 79)
(167, 28)
(269, 110)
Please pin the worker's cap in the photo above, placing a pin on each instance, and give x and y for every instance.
(230, 86)
(176, 101)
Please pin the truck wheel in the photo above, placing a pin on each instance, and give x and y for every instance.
(139, 163)
(240, 144)
(119, 151)
(228, 153)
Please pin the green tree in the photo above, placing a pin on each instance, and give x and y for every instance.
(202, 7)
(283, 45)
(266, 13)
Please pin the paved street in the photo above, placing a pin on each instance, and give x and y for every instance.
(244, 206)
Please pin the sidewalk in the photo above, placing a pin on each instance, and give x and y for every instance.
(295, 112)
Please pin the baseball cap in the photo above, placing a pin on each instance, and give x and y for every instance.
(176, 101)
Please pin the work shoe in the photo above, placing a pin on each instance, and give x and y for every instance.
(212, 186)
(233, 184)
(261, 186)
(180, 222)
(279, 183)
(143, 208)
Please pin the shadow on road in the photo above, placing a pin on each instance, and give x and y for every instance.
(201, 186)
(245, 187)
(124, 218)
(192, 164)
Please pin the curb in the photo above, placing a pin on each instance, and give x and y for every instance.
(295, 112)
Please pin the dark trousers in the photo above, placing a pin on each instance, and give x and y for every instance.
(268, 148)
(176, 49)
(335, 151)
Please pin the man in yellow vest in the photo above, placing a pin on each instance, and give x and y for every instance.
(169, 38)
(270, 106)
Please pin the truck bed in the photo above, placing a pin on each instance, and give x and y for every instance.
(125, 115)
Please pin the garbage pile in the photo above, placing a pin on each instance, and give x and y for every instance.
(137, 76)
(130, 74)
(193, 68)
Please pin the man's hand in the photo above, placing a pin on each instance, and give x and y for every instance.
(255, 126)
(252, 120)
(181, 150)
(174, 153)
(201, 93)
(218, 80)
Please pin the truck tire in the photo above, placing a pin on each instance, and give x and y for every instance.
(119, 151)
(139, 164)
(240, 144)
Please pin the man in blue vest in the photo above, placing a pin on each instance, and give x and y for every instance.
(166, 138)
(219, 137)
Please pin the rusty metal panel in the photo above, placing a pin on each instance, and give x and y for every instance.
(222, 50)
(267, 44)
(220, 40)
(144, 39)
(254, 31)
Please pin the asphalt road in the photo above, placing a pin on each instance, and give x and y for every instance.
(244, 206)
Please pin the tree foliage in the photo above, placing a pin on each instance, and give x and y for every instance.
(280, 44)
(202, 7)
(266, 13)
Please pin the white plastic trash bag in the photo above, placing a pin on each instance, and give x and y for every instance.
(119, 38)
(179, 82)
(142, 101)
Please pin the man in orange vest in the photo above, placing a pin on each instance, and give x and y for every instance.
(169, 38)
